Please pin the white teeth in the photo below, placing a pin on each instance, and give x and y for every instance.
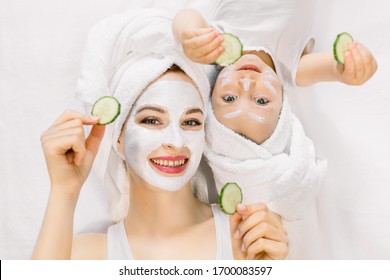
(170, 163)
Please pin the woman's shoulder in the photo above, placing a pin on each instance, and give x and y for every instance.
(90, 246)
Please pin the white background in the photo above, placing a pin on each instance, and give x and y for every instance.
(41, 44)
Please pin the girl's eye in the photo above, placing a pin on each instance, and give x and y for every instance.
(229, 98)
(192, 123)
(151, 121)
(261, 101)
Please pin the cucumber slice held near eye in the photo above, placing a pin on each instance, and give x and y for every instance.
(107, 108)
(229, 197)
(341, 45)
(232, 50)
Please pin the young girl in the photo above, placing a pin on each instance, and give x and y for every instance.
(252, 136)
(157, 143)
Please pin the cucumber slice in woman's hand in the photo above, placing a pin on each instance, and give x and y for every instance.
(107, 108)
(229, 197)
(232, 50)
(341, 45)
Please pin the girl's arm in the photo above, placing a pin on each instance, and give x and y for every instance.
(200, 42)
(360, 65)
(186, 20)
(69, 158)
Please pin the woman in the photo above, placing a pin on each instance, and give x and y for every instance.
(159, 138)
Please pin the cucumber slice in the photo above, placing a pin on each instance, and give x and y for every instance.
(341, 45)
(229, 197)
(107, 108)
(232, 50)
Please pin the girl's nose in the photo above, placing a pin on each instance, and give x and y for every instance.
(245, 83)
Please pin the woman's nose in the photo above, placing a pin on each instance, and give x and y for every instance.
(173, 137)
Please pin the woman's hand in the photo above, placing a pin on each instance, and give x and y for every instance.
(69, 156)
(258, 234)
(202, 45)
(360, 65)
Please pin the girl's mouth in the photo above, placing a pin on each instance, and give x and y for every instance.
(249, 67)
(170, 164)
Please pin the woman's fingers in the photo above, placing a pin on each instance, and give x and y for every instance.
(263, 231)
(71, 115)
(255, 214)
(68, 128)
(92, 143)
(66, 136)
(259, 233)
(267, 249)
(234, 221)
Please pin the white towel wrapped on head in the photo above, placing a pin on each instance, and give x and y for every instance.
(283, 172)
(123, 55)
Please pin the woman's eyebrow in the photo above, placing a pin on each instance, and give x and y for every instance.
(157, 109)
(194, 110)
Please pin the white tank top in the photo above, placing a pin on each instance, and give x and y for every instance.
(118, 246)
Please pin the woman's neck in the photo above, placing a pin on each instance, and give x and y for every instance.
(157, 212)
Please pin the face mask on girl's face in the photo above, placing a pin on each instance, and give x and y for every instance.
(163, 115)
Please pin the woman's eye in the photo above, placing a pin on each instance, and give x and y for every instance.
(261, 101)
(229, 98)
(151, 121)
(192, 123)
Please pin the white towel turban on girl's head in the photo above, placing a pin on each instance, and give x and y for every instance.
(283, 172)
(123, 55)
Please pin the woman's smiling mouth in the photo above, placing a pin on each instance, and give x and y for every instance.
(170, 164)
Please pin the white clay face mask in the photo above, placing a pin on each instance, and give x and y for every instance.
(268, 78)
(269, 74)
(251, 57)
(256, 118)
(268, 85)
(224, 77)
(175, 97)
(246, 83)
(232, 115)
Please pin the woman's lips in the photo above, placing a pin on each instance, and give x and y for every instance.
(170, 164)
(249, 67)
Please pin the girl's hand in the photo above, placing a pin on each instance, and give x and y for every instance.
(258, 234)
(360, 65)
(202, 45)
(69, 156)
